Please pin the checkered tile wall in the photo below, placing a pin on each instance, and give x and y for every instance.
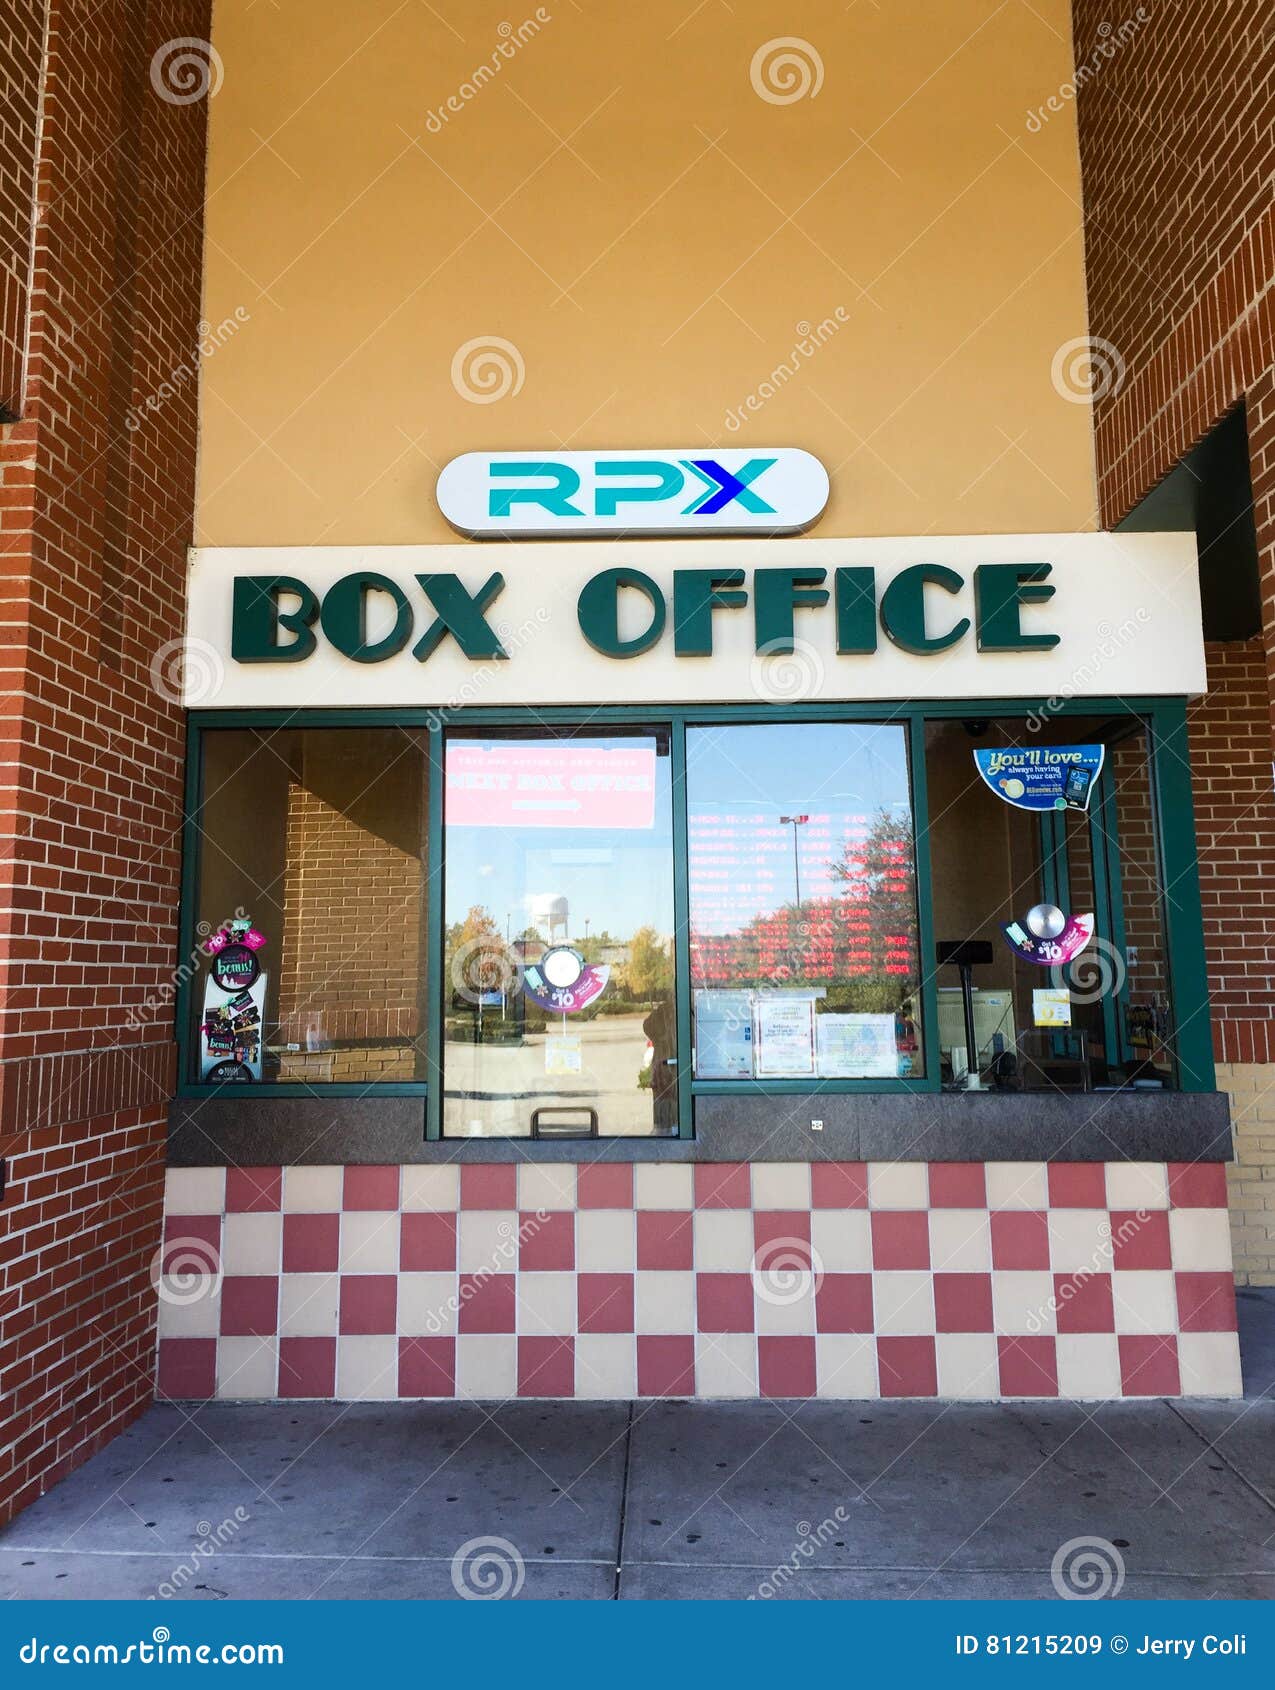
(834, 1279)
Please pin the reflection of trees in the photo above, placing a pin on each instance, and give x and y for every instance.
(859, 943)
(648, 974)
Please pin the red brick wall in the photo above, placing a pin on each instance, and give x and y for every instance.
(21, 62)
(96, 494)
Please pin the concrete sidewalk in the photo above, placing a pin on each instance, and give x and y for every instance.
(658, 1500)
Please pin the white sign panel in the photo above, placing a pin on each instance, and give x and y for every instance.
(669, 490)
(1038, 617)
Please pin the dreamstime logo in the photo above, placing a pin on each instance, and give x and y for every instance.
(1111, 641)
(786, 70)
(487, 1569)
(1086, 1569)
(786, 672)
(212, 336)
(481, 967)
(1085, 370)
(785, 1271)
(488, 368)
(1109, 42)
(187, 671)
(810, 338)
(512, 39)
(186, 69)
(185, 1271)
(1098, 972)
(210, 1539)
(810, 1539)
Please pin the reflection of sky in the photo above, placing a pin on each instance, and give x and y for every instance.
(618, 879)
(742, 779)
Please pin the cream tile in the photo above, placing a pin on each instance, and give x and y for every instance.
(606, 1240)
(1089, 1366)
(1024, 1302)
(367, 1368)
(308, 1305)
(195, 1191)
(1145, 1300)
(369, 1241)
(1137, 1185)
(247, 1368)
(723, 1240)
(1017, 1185)
(960, 1241)
(606, 1366)
(725, 1364)
(1209, 1364)
(1080, 1240)
(846, 1366)
(790, 1309)
(663, 1185)
(486, 1367)
(1200, 1240)
(664, 1302)
(968, 1366)
(428, 1304)
(898, 1185)
(546, 1304)
(546, 1185)
(903, 1303)
(487, 1238)
(189, 1308)
(436, 1187)
(252, 1243)
(781, 1185)
(841, 1239)
(312, 1191)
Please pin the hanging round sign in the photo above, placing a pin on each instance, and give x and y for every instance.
(1047, 936)
(235, 967)
(562, 980)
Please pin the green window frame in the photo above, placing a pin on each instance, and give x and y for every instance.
(1173, 810)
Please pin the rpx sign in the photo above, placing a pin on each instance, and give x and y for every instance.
(676, 490)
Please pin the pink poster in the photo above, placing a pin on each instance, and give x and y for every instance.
(556, 785)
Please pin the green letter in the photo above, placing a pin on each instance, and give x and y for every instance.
(344, 617)
(255, 620)
(903, 608)
(460, 616)
(598, 612)
(776, 593)
(696, 594)
(999, 590)
(856, 590)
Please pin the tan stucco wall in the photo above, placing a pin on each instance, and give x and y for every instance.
(619, 203)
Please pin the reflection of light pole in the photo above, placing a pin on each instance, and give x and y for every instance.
(795, 822)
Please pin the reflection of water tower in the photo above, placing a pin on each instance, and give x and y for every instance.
(548, 914)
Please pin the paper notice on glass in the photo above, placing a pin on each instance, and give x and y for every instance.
(724, 1035)
(1051, 1007)
(563, 1054)
(785, 1034)
(853, 1047)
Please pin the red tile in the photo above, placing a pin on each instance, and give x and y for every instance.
(665, 1239)
(187, 1368)
(253, 1191)
(1083, 1301)
(427, 1367)
(666, 1366)
(1206, 1302)
(900, 1238)
(547, 1244)
(249, 1305)
(907, 1367)
(1029, 1366)
(958, 1185)
(1140, 1239)
(311, 1243)
(546, 1367)
(427, 1243)
(1077, 1185)
(487, 1302)
(786, 1367)
(1149, 1365)
(723, 1185)
(843, 1302)
(605, 1302)
(724, 1302)
(781, 1241)
(839, 1185)
(1197, 1185)
(192, 1244)
(604, 1185)
(307, 1367)
(1020, 1238)
(370, 1188)
(488, 1185)
(369, 1303)
(963, 1302)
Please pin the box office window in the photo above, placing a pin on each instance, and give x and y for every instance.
(803, 913)
(310, 958)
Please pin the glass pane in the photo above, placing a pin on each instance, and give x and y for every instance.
(804, 957)
(1054, 910)
(559, 1011)
(311, 907)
